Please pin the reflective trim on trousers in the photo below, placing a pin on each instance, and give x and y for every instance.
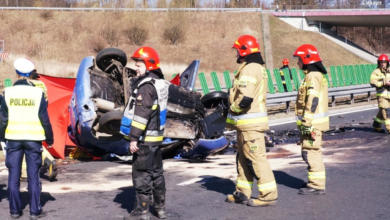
(247, 121)
(244, 184)
(248, 116)
(266, 186)
(379, 120)
(316, 175)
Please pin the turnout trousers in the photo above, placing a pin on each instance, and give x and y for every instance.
(15, 152)
(148, 172)
(383, 115)
(312, 155)
(252, 164)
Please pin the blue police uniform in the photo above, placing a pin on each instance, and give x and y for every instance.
(24, 125)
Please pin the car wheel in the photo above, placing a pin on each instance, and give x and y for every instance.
(104, 57)
(213, 99)
(110, 122)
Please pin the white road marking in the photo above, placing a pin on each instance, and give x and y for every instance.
(340, 113)
(191, 181)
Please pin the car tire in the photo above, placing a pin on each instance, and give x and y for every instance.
(104, 57)
(213, 99)
(110, 122)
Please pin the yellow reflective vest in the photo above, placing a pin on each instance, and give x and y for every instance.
(250, 82)
(40, 84)
(378, 80)
(312, 102)
(23, 107)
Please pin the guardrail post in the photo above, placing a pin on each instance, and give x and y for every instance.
(333, 101)
(352, 99)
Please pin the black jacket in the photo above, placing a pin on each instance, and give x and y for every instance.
(42, 114)
(145, 98)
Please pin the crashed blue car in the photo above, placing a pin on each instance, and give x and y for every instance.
(194, 125)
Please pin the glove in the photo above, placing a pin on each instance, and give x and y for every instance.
(306, 130)
(309, 130)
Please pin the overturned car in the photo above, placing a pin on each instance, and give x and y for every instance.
(194, 124)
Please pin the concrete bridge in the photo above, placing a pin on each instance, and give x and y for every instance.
(346, 17)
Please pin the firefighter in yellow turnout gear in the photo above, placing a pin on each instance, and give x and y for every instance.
(248, 115)
(380, 79)
(312, 116)
(48, 160)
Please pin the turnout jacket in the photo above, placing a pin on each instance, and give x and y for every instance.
(312, 101)
(148, 119)
(378, 80)
(38, 129)
(248, 98)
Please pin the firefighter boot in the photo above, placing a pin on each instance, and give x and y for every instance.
(310, 191)
(141, 208)
(51, 166)
(260, 203)
(159, 206)
(237, 197)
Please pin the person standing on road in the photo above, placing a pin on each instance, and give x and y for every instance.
(24, 124)
(284, 7)
(143, 124)
(47, 159)
(248, 115)
(312, 116)
(285, 66)
(380, 79)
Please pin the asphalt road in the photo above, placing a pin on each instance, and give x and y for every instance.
(358, 183)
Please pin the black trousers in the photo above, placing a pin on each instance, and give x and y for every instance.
(148, 172)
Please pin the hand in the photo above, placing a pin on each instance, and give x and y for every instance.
(133, 147)
(306, 130)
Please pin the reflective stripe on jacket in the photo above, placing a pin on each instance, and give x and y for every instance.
(312, 101)
(248, 99)
(130, 120)
(378, 80)
(23, 107)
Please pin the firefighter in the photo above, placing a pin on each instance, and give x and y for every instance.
(248, 115)
(380, 79)
(24, 124)
(47, 159)
(143, 124)
(285, 66)
(312, 116)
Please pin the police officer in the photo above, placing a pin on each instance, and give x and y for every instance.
(143, 124)
(281, 71)
(380, 79)
(312, 116)
(47, 159)
(248, 115)
(24, 124)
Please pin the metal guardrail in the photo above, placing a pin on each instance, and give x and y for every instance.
(185, 9)
(286, 97)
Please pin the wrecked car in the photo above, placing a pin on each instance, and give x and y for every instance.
(194, 124)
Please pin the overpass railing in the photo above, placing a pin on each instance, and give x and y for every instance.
(267, 10)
